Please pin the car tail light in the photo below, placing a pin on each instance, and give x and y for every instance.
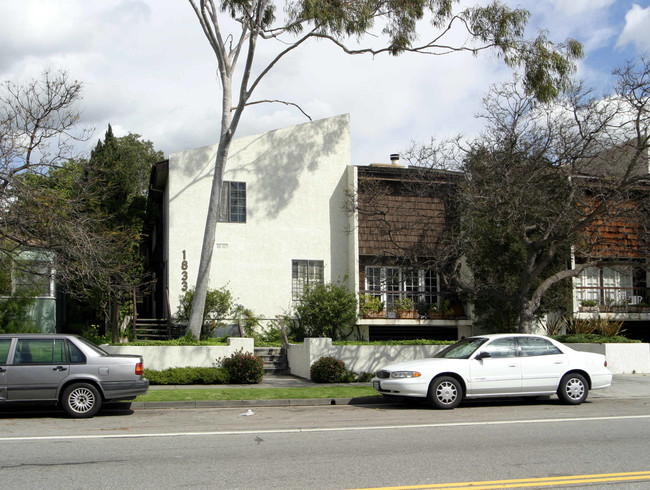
(139, 369)
(605, 362)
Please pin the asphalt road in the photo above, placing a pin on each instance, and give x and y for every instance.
(332, 447)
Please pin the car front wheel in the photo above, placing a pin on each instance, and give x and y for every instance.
(573, 389)
(445, 392)
(81, 400)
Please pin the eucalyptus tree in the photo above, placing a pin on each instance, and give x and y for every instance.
(347, 24)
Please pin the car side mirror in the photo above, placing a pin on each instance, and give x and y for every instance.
(483, 355)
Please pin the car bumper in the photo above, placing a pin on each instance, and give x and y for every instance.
(601, 380)
(120, 390)
(416, 387)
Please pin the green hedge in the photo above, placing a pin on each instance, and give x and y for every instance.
(188, 376)
(593, 338)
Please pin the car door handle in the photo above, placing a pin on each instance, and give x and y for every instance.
(514, 365)
(60, 368)
(558, 362)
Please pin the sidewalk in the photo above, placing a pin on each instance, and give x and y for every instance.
(623, 386)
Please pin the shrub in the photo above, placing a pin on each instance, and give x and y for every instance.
(249, 322)
(14, 314)
(187, 376)
(218, 305)
(328, 370)
(592, 338)
(579, 326)
(243, 368)
(370, 305)
(364, 377)
(608, 328)
(326, 310)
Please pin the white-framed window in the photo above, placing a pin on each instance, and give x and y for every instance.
(392, 283)
(607, 285)
(233, 202)
(306, 273)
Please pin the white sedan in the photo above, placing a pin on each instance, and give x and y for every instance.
(497, 365)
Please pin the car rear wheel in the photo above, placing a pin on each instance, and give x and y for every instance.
(445, 392)
(573, 389)
(81, 400)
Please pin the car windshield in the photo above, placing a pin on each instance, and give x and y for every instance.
(461, 349)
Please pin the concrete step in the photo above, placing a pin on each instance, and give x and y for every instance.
(274, 358)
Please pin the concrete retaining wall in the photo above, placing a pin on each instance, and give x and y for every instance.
(621, 358)
(358, 358)
(164, 357)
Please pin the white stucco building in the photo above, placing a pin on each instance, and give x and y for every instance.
(283, 221)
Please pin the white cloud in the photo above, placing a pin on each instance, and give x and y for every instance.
(637, 29)
(148, 69)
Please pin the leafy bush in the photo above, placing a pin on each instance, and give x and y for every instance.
(370, 305)
(187, 376)
(328, 369)
(218, 305)
(15, 314)
(326, 310)
(364, 377)
(248, 320)
(243, 368)
(579, 326)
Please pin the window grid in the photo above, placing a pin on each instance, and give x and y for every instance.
(392, 283)
(305, 273)
(233, 202)
(606, 286)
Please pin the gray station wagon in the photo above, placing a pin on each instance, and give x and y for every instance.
(67, 370)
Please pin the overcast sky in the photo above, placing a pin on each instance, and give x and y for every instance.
(148, 69)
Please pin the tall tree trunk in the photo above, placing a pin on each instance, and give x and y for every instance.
(209, 236)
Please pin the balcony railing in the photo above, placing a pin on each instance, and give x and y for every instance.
(613, 299)
(426, 305)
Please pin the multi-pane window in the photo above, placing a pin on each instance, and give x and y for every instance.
(607, 286)
(305, 273)
(392, 283)
(233, 202)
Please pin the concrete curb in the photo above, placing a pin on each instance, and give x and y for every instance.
(623, 386)
(291, 402)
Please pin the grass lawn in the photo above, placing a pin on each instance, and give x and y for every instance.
(175, 395)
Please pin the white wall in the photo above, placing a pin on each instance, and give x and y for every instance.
(357, 358)
(160, 358)
(296, 180)
(621, 358)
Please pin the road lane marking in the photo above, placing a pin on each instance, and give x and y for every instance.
(321, 429)
(528, 482)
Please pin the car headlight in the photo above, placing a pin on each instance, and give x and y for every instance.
(405, 374)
